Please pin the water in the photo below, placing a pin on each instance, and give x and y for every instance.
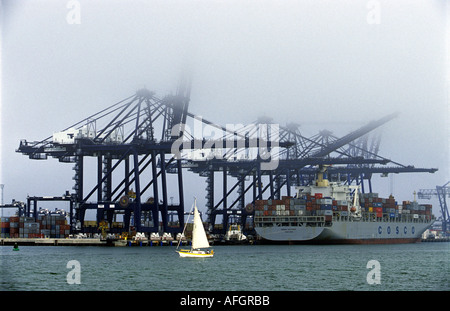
(404, 267)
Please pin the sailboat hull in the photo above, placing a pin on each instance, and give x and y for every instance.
(195, 254)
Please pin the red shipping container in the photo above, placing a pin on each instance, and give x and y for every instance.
(318, 195)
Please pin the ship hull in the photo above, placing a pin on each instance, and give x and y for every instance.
(195, 254)
(346, 232)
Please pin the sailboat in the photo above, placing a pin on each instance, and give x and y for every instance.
(200, 244)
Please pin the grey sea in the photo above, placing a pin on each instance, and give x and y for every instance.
(401, 267)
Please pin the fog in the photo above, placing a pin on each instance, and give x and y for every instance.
(332, 65)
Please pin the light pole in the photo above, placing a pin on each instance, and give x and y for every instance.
(1, 188)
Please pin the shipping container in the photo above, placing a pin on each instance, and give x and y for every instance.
(327, 201)
(299, 201)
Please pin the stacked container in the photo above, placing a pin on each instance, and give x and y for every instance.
(52, 226)
(4, 225)
(14, 227)
(308, 205)
(422, 211)
(318, 205)
(371, 203)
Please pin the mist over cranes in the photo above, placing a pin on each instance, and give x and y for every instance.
(133, 141)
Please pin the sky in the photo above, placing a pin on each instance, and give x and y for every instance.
(323, 64)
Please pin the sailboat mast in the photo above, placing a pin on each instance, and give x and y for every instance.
(185, 224)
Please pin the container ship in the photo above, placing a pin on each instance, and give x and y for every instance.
(334, 213)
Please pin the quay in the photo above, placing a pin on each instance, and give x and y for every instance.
(52, 242)
(110, 242)
(87, 242)
(446, 239)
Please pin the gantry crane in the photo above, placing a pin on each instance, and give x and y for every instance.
(131, 143)
(442, 192)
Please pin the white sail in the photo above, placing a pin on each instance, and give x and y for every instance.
(199, 239)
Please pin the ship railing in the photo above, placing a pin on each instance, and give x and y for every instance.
(289, 221)
(276, 220)
(385, 217)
